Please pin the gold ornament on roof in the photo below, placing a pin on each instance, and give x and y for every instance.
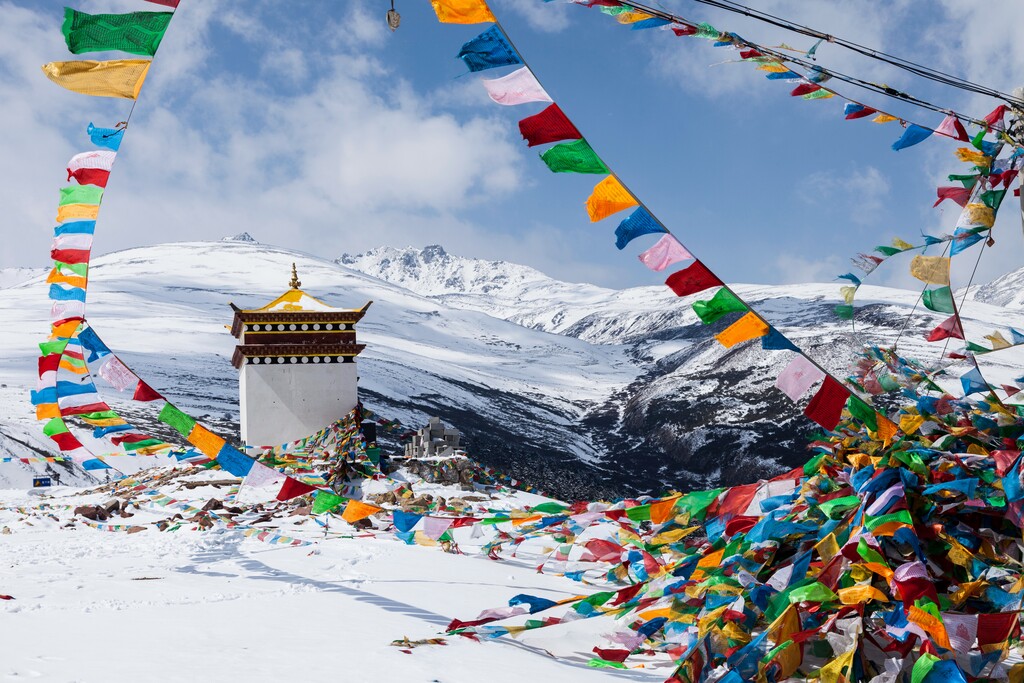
(294, 284)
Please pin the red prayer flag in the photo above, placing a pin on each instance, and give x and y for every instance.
(550, 125)
(70, 256)
(612, 655)
(90, 176)
(144, 392)
(128, 438)
(1004, 460)
(994, 629)
(960, 195)
(47, 363)
(694, 278)
(805, 89)
(100, 407)
(950, 328)
(66, 441)
(1008, 388)
(827, 405)
(165, 3)
(861, 113)
(995, 116)
(685, 30)
(293, 488)
(750, 54)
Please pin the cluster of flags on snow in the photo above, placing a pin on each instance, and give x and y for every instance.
(569, 152)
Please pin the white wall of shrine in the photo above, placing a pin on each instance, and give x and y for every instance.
(282, 402)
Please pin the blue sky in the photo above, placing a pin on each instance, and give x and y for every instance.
(310, 125)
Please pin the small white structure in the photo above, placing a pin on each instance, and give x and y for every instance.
(297, 371)
(434, 441)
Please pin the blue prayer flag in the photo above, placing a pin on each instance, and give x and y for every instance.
(488, 50)
(640, 222)
(912, 136)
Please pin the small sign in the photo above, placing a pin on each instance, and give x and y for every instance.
(40, 482)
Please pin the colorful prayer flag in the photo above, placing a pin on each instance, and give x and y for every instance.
(608, 197)
(640, 222)
(750, 326)
(462, 11)
(693, 279)
(117, 78)
(137, 33)
(518, 87)
(664, 253)
(488, 50)
(550, 125)
(573, 157)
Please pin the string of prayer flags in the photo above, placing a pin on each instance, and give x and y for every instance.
(722, 303)
(117, 78)
(462, 11)
(664, 253)
(826, 408)
(518, 87)
(137, 33)
(550, 125)
(488, 50)
(750, 326)
(640, 222)
(574, 157)
(693, 279)
(931, 270)
(609, 197)
(798, 377)
(914, 134)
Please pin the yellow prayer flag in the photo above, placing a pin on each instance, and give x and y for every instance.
(462, 11)
(67, 329)
(930, 625)
(69, 364)
(856, 595)
(633, 17)
(911, 423)
(932, 270)
(74, 212)
(55, 277)
(998, 340)
(774, 67)
(900, 244)
(208, 443)
(154, 449)
(886, 428)
(975, 214)
(828, 547)
(884, 118)
(972, 156)
(748, 327)
(848, 292)
(608, 197)
(47, 410)
(836, 670)
(105, 422)
(115, 78)
(356, 510)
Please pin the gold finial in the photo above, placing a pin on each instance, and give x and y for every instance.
(294, 284)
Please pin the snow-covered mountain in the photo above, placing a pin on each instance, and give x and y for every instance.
(580, 389)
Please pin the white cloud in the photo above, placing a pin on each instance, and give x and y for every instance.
(862, 192)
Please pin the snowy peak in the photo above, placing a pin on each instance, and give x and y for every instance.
(1007, 291)
(240, 237)
(432, 271)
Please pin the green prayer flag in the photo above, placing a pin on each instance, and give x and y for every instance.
(141, 444)
(574, 157)
(977, 348)
(80, 194)
(993, 198)
(888, 251)
(723, 302)
(869, 554)
(939, 300)
(79, 269)
(639, 513)
(967, 181)
(100, 415)
(811, 466)
(873, 523)
(977, 139)
(815, 592)
(844, 312)
(181, 422)
(839, 505)
(325, 501)
(888, 382)
(138, 33)
(923, 667)
(550, 508)
(698, 502)
(596, 662)
(48, 348)
(55, 426)
(863, 412)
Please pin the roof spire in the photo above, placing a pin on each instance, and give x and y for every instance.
(294, 284)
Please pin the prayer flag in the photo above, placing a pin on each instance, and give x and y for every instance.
(74, 212)
(722, 303)
(827, 405)
(116, 78)
(775, 341)
(91, 168)
(964, 238)
(973, 382)
(434, 527)
(519, 87)
(293, 488)
(404, 521)
(939, 300)
(863, 412)
(884, 118)
(325, 501)
(261, 475)
(951, 127)
(232, 460)
(797, 377)
(488, 50)
(856, 111)
(608, 197)
(750, 326)
(105, 137)
(664, 253)
(550, 125)
(693, 279)
(80, 194)
(932, 270)
(994, 118)
(640, 222)
(357, 510)
(138, 33)
(913, 135)
(462, 11)
(960, 195)
(144, 392)
(948, 329)
(573, 157)
(170, 415)
(165, 3)
(208, 443)
(976, 214)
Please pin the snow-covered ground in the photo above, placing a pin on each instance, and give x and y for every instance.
(190, 605)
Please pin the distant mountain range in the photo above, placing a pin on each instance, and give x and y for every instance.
(582, 390)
